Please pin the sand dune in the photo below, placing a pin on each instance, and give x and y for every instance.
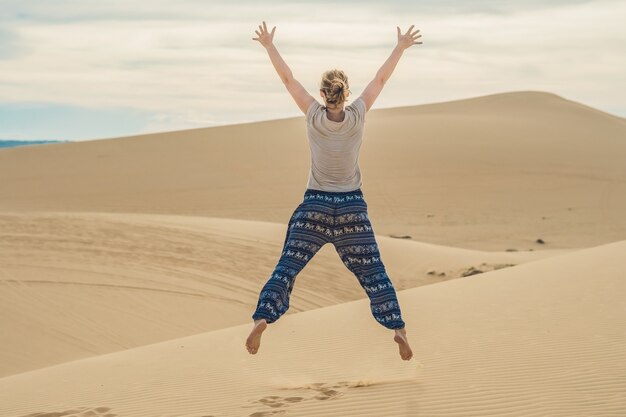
(75, 285)
(130, 267)
(542, 338)
(489, 173)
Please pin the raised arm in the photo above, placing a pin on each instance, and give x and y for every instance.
(375, 86)
(302, 98)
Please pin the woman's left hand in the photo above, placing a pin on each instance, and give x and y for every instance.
(264, 36)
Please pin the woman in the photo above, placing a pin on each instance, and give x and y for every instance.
(333, 209)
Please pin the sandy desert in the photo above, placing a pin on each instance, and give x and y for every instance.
(130, 268)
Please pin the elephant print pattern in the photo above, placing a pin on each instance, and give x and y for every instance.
(339, 218)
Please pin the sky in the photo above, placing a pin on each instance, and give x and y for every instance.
(84, 70)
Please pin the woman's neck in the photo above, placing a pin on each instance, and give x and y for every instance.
(336, 115)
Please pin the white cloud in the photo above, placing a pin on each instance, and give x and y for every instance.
(193, 64)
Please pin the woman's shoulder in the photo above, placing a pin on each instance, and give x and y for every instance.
(357, 104)
(358, 107)
(313, 107)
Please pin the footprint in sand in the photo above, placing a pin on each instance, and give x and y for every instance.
(266, 413)
(321, 391)
(77, 412)
(275, 401)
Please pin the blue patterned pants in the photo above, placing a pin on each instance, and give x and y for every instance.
(339, 218)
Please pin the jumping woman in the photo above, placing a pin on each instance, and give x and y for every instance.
(333, 209)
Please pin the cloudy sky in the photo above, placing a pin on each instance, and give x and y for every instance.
(80, 70)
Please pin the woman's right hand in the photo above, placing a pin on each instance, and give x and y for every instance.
(408, 39)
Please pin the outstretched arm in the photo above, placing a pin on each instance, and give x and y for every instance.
(300, 95)
(375, 86)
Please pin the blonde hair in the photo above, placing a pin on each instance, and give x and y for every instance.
(335, 86)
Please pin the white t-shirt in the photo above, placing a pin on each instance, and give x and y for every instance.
(335, 147)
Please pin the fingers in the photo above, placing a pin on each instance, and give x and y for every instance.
(408, 32)
(263, 32)
(263, 29)
(415, 39)
(414, 35)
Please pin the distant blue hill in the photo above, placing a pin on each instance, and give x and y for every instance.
(12, 143)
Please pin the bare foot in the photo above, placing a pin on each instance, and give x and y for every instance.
(254, 339)
(405, 350)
